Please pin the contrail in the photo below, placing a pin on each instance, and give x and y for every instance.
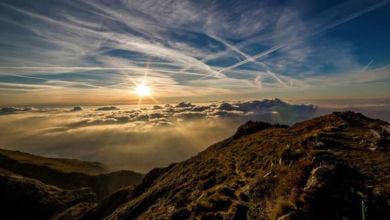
(55, 80)
(367, 66)
(98, 68)
(252, 58)
(26, 86)
(325, 28)
(277, 78)
(233, 48)
(354, 15)
(272, 74)
(248, 59)
(201, 64)
(226, 44)
(68, 68)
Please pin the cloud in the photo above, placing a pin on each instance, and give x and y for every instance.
(14, 110)
(138, 139)
(141, 139)
(77, 108)
(272, 110)
(107, 108)
(224, 47)
(11, 110)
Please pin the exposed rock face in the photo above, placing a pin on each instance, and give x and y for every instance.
(332, 167)
(318, 169)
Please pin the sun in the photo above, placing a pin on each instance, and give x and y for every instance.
(142, 90)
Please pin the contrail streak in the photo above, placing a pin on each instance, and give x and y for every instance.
(252, 58)
(102, 35)
(56, 80)
(98, 68)
(277, 78)
(325, 28)
(233, 48)
(367, 66)
(248, 59)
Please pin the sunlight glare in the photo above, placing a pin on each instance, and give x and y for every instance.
(142, 90)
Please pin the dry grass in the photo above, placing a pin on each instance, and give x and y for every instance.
(265, 172)
(281, 207)
(63, 165)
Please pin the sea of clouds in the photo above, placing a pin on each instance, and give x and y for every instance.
(127, 137)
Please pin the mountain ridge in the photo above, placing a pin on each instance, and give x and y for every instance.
(306, 171)
(331, 167)
(67, 173)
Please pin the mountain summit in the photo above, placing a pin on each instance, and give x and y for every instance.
(331, 167)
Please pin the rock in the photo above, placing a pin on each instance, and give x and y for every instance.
(317, 179)
(286, 217)
(375, 134)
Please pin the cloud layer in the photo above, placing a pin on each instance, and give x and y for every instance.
(138, 139)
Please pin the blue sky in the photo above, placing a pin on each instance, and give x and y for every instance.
(86, 51)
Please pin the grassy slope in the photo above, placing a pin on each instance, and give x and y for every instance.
(319, 169)
(60, 164)
(26, 198)
(68, 173)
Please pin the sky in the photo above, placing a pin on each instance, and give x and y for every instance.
(60, 52)
(71, 70)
